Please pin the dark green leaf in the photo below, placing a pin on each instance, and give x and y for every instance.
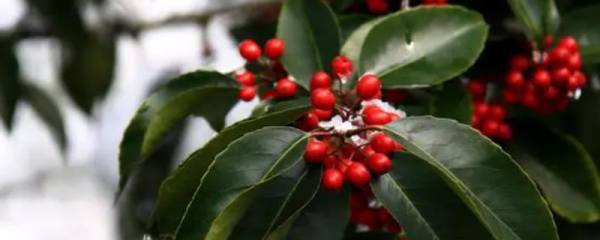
(354, 42)
(229, 185)
(311, 32)
(48, 111)
(490, 183)
(10, 86)
(423, 204)
(579, 24)
(176, 192)
(428, 45)
(562, 168)
(452, 101)
(540, 17)
(325, 218)
(209, 94)
(278, 201)
(351, 22)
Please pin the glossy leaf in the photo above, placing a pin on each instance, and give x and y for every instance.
(48, 111)
(562, 168)
(452, 101)
(325, 218)
(354, 42)
(423, 204)
(421, 51)
(578, 24)
(278, 201)
(177, 190)
(312, 34)
(540, 17)
(228, 186)
(208, 94)
(10, 86)
(483, 175)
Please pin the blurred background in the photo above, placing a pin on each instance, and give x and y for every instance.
(72, 74)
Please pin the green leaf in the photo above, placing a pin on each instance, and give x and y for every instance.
(48, 111)
(177, 190)
(562, 168)
(540, 17)
(452, 101)
(423, 204)
(10, 86)
(490, 183)
(354, 42)
(428, 45)
(228, 186)
(312, 34)
(325, 218)
(577, 23)
(351, 22)
(277, 202)
(209, 94)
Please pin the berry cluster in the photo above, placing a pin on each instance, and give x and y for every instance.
(546, 86)
(489, 118)
(348, 144)
(366, 212)
(272, 75)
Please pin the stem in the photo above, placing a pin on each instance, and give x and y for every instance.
(405, 5)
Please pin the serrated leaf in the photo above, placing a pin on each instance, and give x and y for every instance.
(452, 101)
(10, 86)
(48, 111)
(423, 204)
(208, 94)
(540, 17)
(312, 34)
(577, 23)
(177, 190)
(228, 186)
(490, 183)
(562, 168)
(325, 218)
(428, 45)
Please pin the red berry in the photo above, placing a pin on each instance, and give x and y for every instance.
(490, 128)
(514, 79)
(274, 48)
(377, 118)
(548, 39)
(530, 100)
(561, 75)
(320, 80)
(497, 112)
(481, 109)
(541, 78)
(581, 79)
(577, 80)
(477, 88)
(342, 66)
(560, 55)
(377, 6)
(322, 99)
(381, 143)
(358, 174)
(330, 161)
(505, 132)
(246, 78)
(323, 115)
(551, 93)
(511, 96)
(574, 62)
(519, 63)
(371, 109)
(333, 179)
(308, 122)
(368, 86)
(383, 216)
(379, 163)
(368, 151)
(249, 50)
(315, 151)
(570, 43)
(285, 88)
(247, 93)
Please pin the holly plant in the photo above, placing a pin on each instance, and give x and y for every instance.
(383, 120)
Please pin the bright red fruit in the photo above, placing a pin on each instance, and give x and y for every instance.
(308, 122)
(497, 112)
(381, 143)
(541, 78)
(322, 99)
(570, 43)
(481, 109)
(377, 6)
(333, 179)
(377, 118)
(490, 128)
(249, 50)
(246, 78)
(315, 151)
(561, 75)
(379, 163)
(342, 66)
(505, 132)
(368, 86)
(514, 79)
(358, 174)
(323, 115)
(477, 88)
(285, 88)
(320, 80)
(274, 48)
(519, 63)
(560, 55)
(247, 93)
